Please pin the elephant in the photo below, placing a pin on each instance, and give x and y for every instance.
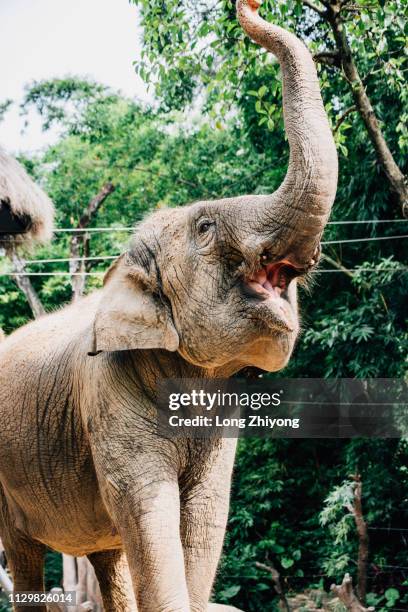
(202, 291)
(26, 212)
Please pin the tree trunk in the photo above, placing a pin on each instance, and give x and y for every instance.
(385, 158)
(80, 242)
(276, 583)
(362, 540)
(77, 265)
(79, 576)
(24, 283)
(347, 596)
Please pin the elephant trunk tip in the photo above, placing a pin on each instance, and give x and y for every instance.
(253, 4)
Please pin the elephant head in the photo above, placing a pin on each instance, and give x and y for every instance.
(216, 280)
(26, 212)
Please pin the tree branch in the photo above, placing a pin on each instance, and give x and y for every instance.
(276, 582)
(363, 104)
(329, 58)
(94, 205)
(343, 117)
(314, 7)
(80, 241)
(337, 265)
(356, 8)
(343, 269)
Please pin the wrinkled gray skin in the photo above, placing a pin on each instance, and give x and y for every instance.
(201, 292)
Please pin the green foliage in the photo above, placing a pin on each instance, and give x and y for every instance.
(53, 570)
(4, 605)
(200, 48)
(60, 100)
(385, 601)
(365, 319)
(283, 489)
(337, 516)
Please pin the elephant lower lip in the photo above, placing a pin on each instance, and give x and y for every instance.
(277, 313)
(271, 307)
(266, 290)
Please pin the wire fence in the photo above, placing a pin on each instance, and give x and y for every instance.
(69, 259)
(90, 230)
(368, 222)
(373, 239)
(112, 257)
(102, 258)
(294, 577)
(101, 273)
(388, 528)
(63, 230)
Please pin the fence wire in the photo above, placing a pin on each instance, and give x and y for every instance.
(99, 273)
(62, 230)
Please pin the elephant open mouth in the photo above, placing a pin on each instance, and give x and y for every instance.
(267, 290)
(272, 280)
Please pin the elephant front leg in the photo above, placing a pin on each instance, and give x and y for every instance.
(26, 559)
(204, 515)
(112, 571)
(148, 519)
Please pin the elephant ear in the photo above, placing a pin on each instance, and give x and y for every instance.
(131, 313)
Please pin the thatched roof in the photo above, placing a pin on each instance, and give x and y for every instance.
(26, 212)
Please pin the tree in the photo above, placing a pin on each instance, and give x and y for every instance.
(354, 324)
(188, 49)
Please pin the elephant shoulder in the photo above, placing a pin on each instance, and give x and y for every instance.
(56, 333)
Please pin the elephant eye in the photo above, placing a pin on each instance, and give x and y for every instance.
(204, 226)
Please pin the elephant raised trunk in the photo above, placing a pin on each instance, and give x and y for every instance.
(303, 201)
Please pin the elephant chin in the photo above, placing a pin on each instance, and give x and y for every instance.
(276, 313)
(270, 354)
